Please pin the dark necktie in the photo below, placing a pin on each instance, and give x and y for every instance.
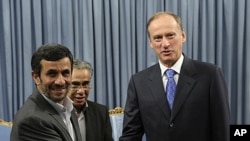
(170, 88)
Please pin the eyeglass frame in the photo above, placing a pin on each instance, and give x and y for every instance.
(78, 87)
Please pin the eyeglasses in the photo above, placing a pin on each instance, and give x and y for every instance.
(78, 86)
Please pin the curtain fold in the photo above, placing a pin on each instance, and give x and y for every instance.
(112, 36)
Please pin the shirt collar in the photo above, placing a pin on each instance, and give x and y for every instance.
(176, 66)
(66, 106)
(85, 107)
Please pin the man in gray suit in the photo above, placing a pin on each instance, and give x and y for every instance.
(200, 109)
(48, 114)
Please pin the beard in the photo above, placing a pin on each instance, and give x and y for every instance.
(45, 89)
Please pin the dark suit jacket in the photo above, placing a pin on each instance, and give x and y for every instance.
(200, 111)
(38, 120)
(98, 126)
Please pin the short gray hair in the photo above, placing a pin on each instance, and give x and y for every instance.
(80, 64)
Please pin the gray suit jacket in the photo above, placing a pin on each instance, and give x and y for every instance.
(200, 111)
(38, 120)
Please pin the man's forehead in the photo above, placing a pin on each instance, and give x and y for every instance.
(56, 65)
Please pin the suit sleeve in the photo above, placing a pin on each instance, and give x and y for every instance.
(219, 106)
(132, 124)
(33, 128)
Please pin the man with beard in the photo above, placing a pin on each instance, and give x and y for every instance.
(48, 114)
(93, 118)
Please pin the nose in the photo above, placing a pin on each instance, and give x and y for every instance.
(81, 89)
(60, 80)
(165, 42)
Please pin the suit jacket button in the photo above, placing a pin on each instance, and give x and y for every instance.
(171, 124)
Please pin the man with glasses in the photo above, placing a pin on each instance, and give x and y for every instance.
(93, 118)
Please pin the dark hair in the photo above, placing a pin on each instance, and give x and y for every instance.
(158, 14)
(49, 52)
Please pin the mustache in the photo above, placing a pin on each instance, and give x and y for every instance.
(59, 86)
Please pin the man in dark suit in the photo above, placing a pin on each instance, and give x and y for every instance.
(48, 114)
(93, 118)
(200, 110)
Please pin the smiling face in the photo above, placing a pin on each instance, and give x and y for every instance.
(55, 79)
(166, 39)
(80, 87)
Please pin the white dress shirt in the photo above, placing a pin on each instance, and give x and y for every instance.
(176, 67)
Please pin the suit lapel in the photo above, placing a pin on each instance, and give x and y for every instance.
(43, 104)
(157, 91)
(90, 119)
(60, 123)
(185, 83)
(75, 124)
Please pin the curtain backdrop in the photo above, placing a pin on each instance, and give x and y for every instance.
(112, 36)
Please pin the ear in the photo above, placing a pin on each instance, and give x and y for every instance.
(183, 36)
(150, 43)
(36, 78)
